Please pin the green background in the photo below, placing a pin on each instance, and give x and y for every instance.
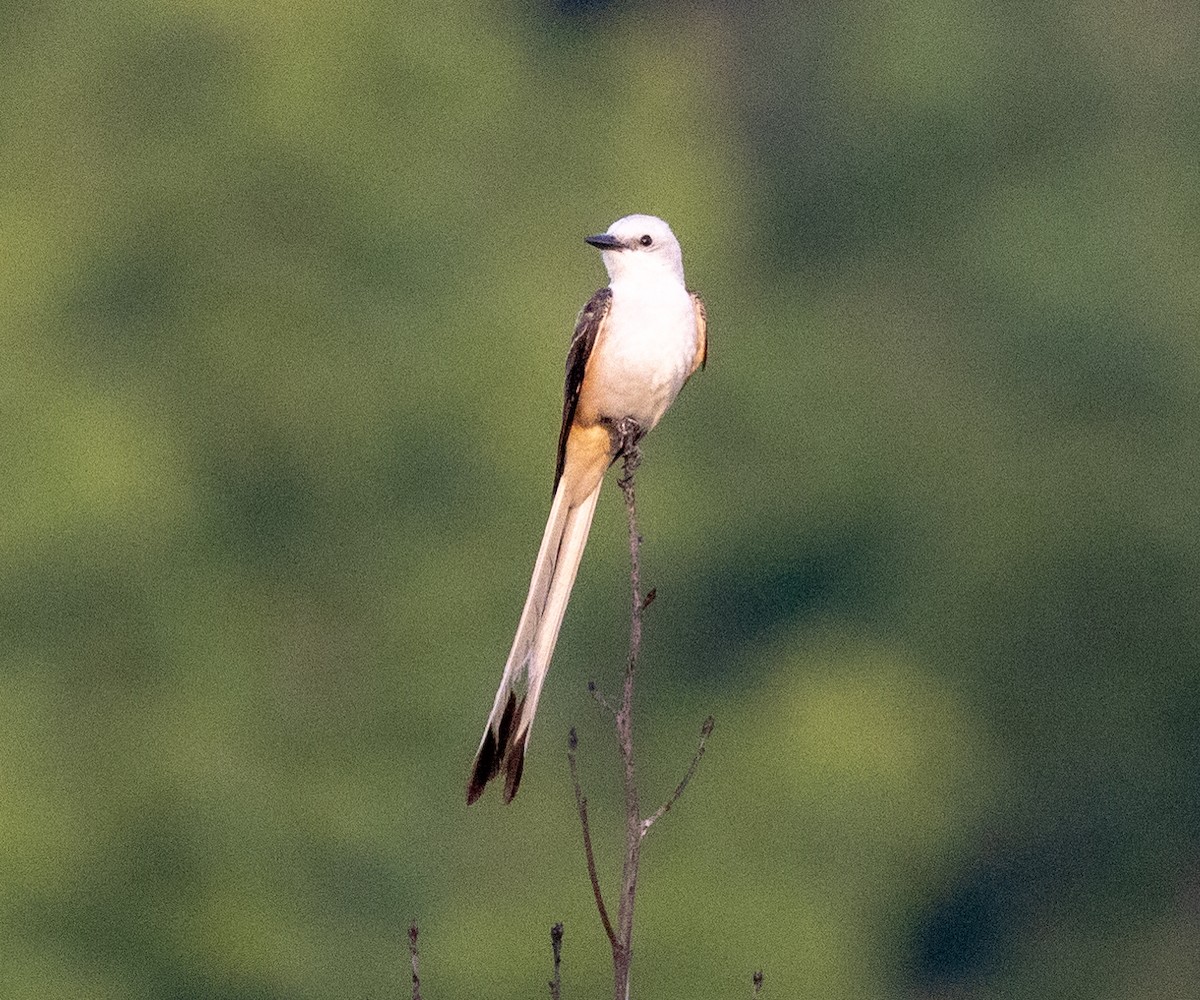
(285, 290)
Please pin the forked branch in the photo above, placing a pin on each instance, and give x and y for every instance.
(620, 938)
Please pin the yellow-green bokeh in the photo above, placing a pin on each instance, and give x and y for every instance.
(285, 291)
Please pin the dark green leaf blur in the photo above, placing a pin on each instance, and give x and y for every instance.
(285, 293)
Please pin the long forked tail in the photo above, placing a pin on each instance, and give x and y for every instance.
(507, 733)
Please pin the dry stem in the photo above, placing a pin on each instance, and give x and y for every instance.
(621, 938)
(415, 958)
(581, 806)
(556, 936)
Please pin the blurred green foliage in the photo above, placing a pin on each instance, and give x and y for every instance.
(285, 292)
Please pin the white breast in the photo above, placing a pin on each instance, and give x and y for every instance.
(645, 352)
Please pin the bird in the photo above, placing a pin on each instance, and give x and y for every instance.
(636, 342)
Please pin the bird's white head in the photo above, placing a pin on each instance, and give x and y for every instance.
(637, 246)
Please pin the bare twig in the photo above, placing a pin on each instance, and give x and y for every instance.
(413, 955)
(601, 700)
(581, 806)
(623, 948)
(627, 434)
(556, 936)
(705, 732)
(758, 983)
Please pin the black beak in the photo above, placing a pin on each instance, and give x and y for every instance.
(604, 241)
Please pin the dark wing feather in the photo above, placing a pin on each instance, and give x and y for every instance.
(582, 342)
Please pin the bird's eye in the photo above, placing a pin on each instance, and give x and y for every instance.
(646, 240)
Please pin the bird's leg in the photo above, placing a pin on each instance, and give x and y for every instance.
(627, 433)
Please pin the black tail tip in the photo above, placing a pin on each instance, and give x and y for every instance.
(485, 768)
(499, 752)
(514, 767)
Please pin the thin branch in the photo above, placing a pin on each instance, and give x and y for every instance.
(556, 935)
(413, 955)
(705, 732)
(601, 700)
(627, 434)
(630, 433)
(581, 806)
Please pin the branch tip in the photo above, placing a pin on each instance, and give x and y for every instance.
(588, 852)
(705, 731)
(414, 958)
(600, 699)
(556, 936)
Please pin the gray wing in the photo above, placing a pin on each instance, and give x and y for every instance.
(582, 342)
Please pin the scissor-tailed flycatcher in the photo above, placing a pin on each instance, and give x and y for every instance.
(636, 342)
